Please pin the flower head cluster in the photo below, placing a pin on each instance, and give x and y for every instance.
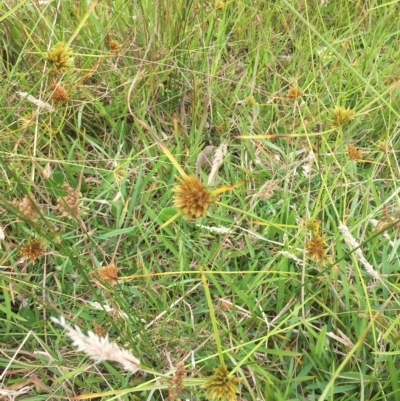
(32, 250)
(294, 93)
(340, 116)
(221, 387)
(60, 57)
(191, 197)
(316, 248)
(354, 153)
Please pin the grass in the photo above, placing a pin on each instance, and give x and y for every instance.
(279, 294)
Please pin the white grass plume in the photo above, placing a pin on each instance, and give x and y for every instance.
(39, 103)
(99, 348)
(350, 240)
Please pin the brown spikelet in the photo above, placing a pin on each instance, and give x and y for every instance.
(59, 93)
(107, 273)
(191, 198)
(175, 385)
(354, 153)
(28, 207)
(32, 250)
(98, 329)
(70, 204)
(316, 248)
(294, 93)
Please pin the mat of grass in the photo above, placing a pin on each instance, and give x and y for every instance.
(286, 285)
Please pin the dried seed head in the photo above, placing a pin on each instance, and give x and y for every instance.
(33, 250)
(354, 153)
(175, 386)
(59, 94)
(191, 198)
(316, 248)
(340, 115)
(60, 57)
(28, 207)
(113, 45)
(294, 92)
(70, 204)
(221, 387)
(107, 273)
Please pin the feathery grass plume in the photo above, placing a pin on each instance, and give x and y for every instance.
(340, 115)
(350, 240)
(60, 58)
(32, 250)
(37, 102)
(191, 198)
(99, 348)
(221, 387)
(354, 153)
(294, 93)
(217, 160)
(316, 248)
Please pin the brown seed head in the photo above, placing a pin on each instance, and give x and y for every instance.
(113, 45)
(107, 273)
(316, 248)
(294, 92)
(28, 207)
(354, 153)
(70, 204)
(33, 250)
(191, 198)
(59, 94)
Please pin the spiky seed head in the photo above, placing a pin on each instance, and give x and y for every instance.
(191, 198)
(60, 57)
(59, 94)
(221, 387)
(341, 115)
(294, 92)
(354, 153)
(32, 250)
(316, 248)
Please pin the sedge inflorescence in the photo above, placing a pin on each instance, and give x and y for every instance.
(191, 197)
(220, 386)
(60, 58)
